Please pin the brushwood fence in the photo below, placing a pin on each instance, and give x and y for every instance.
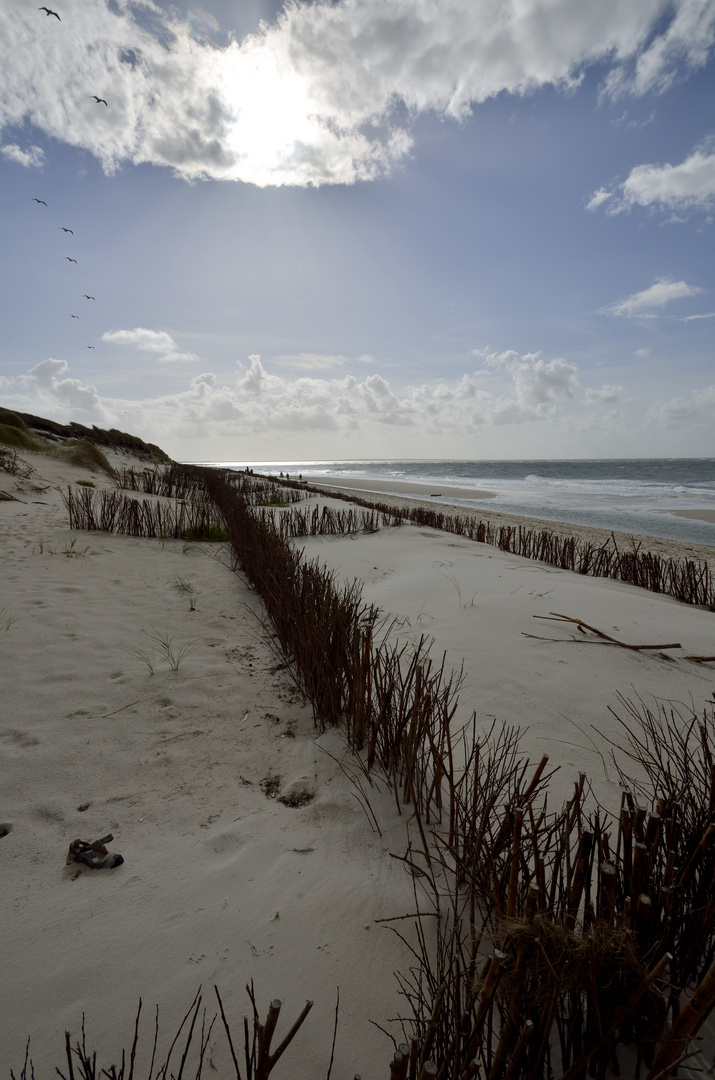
(543, 943)
(687, 580)
(110, 511)
(325, 521)
(536, 935)
(172, 481)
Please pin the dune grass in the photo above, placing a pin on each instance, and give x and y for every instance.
(15, 432)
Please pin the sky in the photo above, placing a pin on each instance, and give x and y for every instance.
(468, 229)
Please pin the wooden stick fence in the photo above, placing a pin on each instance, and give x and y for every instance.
(689, 581)
(110, 511)
(538, 936)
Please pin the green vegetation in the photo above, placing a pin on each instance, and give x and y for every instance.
(185, 588)
(12, 419)
(112, 438)
(15, 432)
(211, 534)
(86, 483)
(85, 454)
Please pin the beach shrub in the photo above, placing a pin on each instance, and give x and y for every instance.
(207, 534)
(12, 419)
(84, 454)
(86, 483)
(17, 435)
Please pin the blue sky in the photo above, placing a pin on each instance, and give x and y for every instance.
(422, 228)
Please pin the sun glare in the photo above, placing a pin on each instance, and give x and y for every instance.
(275, 121)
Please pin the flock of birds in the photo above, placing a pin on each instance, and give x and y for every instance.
(41, 202)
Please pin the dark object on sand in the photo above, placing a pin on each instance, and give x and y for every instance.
(94, 854)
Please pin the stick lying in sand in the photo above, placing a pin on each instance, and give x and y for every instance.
(553, 616)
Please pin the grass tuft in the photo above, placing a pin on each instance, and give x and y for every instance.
(185, 588)
(208, 534)
(85, 454)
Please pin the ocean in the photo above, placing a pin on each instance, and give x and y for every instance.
(629, 495)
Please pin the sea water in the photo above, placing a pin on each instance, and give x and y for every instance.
(628, 495)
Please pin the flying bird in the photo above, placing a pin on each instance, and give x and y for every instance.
(99, 100)
(39, 201)
(70, 260)
(66, 230)
(74, 316)
(88, 298)
(90, 346)
(50, 12)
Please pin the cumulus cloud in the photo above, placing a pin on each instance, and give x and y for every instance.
(325, 93)
(679, 188)
(504, 388)
(662, 292)
(33, 156)
(537, 385)
(153, 341)
(70, 396)
(698, 407)
(686, 41)
(607, 395)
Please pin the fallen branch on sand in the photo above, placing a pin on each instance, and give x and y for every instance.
(553, 616)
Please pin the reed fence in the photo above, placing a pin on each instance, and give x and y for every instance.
(545, 944)
(687, 580)
(326, 521)
(110, 511)
(580, 945)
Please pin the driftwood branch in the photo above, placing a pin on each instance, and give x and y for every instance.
(553, 616)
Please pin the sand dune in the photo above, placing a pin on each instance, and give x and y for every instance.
(222, 882)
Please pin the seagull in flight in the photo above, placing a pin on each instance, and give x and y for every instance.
(74, 316)
(50, 12)
(40, 201)
(70, 260)
(88, 298)
(66, 230)
(99, 100)
(90, 346)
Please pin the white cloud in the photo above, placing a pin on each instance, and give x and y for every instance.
(607, 395)
(33, 156)
(698, 407)
(686, 41)
(70, 396)
(662, 292)
(643, 353)
(537, 385)
(678, 188)
(509, 388)
(709, 315)
(311, 98)
(598, 199)
(154, 341)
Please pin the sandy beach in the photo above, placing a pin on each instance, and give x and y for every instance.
(698, 515)
(405, 493)
(179, 731)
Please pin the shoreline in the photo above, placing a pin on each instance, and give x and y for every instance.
(386, 492)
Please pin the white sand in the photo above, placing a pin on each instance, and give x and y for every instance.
(407, 494)
(697, 515)
(217, 884)
(438, 492)
(220, 884)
